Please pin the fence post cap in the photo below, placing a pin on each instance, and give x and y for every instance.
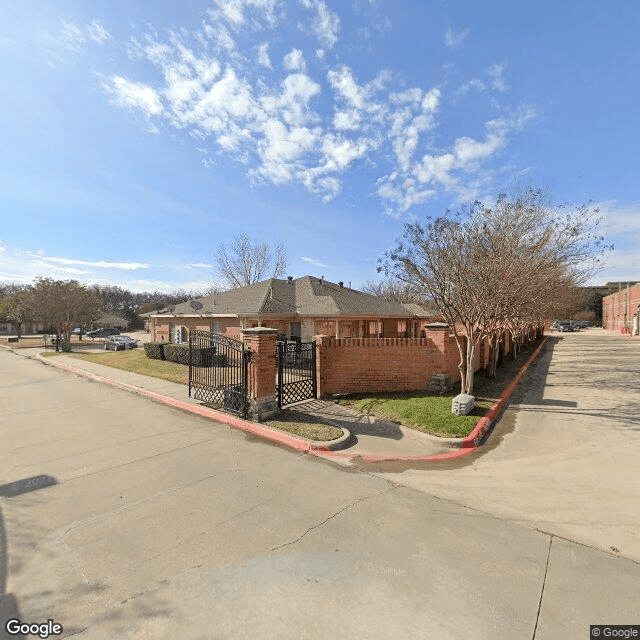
(258, 331)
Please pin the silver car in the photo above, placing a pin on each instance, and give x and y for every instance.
(118, 343)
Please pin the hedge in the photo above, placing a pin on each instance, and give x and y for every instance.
(154, 350)
(180, 353)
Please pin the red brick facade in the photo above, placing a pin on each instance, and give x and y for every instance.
(621, 310)
(353, 365)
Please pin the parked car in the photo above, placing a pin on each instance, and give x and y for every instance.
(565, 327)
(103, 333)
(119, 343)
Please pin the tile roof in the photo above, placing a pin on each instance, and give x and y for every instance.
(306, 296)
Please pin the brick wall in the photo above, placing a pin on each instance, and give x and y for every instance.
(620, 310)
(347, 365)
(353, 365)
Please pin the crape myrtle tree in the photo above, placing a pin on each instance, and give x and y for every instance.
(246, 261)
(64, 304)
(487, 268)
(392, 290)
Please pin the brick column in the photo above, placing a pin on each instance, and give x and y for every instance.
(261, 392)
(321, 364)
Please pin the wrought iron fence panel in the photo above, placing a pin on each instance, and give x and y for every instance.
(296, 362)
(218, 371)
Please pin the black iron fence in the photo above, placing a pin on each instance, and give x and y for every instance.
(218, 371)
(296, 363)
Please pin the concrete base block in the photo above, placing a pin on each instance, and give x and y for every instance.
(262, 409)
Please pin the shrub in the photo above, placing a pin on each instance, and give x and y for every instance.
(180, 353)
(154, 350)
(177, 353)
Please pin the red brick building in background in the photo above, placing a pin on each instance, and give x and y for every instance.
(621, 310)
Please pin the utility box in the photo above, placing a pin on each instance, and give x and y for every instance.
(462, 404)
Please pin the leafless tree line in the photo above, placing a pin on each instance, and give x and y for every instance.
(66, 304)
(498, 269)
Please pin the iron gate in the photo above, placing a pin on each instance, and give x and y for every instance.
(218, 371)
(296, 371)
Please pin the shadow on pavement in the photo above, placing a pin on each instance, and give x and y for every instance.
(8, 604)
(357, 423)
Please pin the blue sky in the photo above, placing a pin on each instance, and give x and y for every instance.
(136, 136)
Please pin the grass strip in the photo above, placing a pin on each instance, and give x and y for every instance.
(136, 361)
(422, 411)
(305, 426)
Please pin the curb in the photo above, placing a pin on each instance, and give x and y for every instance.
(325, 449)
(471, 442)
(298, 444)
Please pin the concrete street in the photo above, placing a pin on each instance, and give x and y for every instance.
(564, 457)
(123, 518)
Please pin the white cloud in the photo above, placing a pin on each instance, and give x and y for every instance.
(292, 125)
(326, 24)
(496, 73)
(459, 169)
(473, 84)
(263, 55)
(134, 95)
(294, 61)
(452, 39)
(235, 11)
(97, 32)
(313, 261)
(199, 265)
(99, 264)
(74, 36)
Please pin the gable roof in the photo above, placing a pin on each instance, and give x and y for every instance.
(306, 296)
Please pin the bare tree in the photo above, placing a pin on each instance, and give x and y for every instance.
(64, 304)
(488, 269)
(393, 290)
(246, 262)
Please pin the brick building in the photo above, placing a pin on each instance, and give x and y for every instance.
(300, 308)
(621, 310)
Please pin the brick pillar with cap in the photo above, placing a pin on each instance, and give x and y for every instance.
(261, 375)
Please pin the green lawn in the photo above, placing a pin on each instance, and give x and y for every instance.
(136, 361)
(422, 411)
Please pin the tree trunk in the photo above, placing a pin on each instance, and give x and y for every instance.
(471, 350)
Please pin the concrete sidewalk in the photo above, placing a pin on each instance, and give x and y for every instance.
(369, 436)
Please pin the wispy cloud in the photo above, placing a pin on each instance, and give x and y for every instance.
(75, 36)
(313, 261)
(453, 39)
(304, 122)
(493, 79)
(325, 23)
(199, 265)
(96, 264)
(134, 95)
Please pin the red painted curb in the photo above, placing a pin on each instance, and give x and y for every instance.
(470, 443)
(205, 412)
(484, 424)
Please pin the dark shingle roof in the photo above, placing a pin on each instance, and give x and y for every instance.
(306, 296)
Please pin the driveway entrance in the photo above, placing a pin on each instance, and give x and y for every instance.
(564, 456)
